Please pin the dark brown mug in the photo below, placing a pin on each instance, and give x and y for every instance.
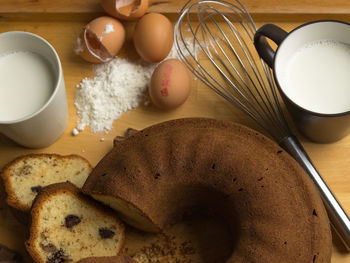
(318, 126)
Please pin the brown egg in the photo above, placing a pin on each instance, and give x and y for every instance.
(170, 84)
(153, 37)
(101, 40)
(125, 9)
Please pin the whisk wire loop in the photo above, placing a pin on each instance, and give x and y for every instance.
(221, 38)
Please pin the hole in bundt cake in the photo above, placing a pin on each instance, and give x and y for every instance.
(260, 178)
(314, 259)
(203, 206)
(280, 151)
(104, 174)
(314, 212)
(213, 166)
(157, 175)
(197, 238)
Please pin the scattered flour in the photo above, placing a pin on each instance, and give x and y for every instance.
(188, 43)
(118, 86)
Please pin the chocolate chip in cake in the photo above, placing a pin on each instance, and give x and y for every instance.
(49, 247)
(105, 232)
(36, 189)
(57, 257)
(72, 220)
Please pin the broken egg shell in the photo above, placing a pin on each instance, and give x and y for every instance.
(84, 52)
(101, 39)
(170, 84)
(153, 37)
(125, 9)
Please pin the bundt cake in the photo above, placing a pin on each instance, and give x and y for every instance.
(69, 226)
(116, 259)
(26, 175)
(273, 210)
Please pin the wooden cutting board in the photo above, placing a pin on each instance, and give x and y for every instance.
(60, 22)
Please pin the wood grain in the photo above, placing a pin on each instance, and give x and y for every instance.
(60, 22)
(253, 6)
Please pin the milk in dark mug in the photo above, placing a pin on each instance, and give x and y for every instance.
(312, 71)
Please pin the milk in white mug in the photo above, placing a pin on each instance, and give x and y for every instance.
(312, 71)
(27, 81)
(33, 103)
(317, 77)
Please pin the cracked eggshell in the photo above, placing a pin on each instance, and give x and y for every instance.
(125, 9)
(153, 37)
(101, 40)
(170, 84)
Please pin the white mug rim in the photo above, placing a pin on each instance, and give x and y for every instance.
(59, 76)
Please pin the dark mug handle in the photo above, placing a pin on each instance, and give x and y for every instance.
(273, 32)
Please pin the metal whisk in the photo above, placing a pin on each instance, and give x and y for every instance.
(215, 41)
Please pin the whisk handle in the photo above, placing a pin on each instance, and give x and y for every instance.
(338, 217)
(273, 32)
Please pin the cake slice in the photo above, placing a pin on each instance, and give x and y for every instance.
(69, 226)
(26, 175)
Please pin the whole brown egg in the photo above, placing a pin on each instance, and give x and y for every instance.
(153, 37)
(170, 84)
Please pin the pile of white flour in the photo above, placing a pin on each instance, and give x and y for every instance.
(118, 86)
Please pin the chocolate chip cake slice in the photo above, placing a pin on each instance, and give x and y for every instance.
(69, 226)
(26, 175)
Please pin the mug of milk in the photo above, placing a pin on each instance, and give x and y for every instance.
(33, 104)
(312, 71)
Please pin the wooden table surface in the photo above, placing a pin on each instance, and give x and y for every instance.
(60, 22)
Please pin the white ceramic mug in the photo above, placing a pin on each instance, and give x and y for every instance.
(44, 126)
